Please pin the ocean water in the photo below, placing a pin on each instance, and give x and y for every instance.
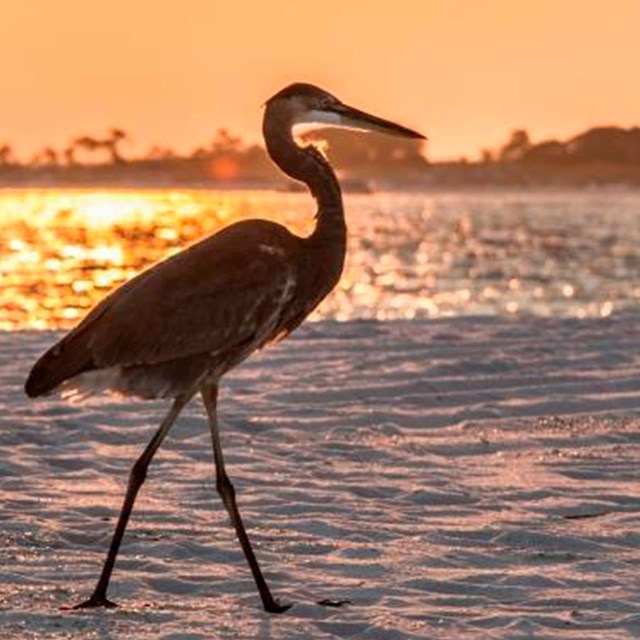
(415, 255)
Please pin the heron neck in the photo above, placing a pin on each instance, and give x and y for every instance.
(308, 165)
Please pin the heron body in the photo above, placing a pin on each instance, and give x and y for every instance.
(195, 315)
(177, 328)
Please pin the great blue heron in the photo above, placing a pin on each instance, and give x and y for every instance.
(177, 328)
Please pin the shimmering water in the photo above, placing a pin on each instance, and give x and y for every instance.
(410, 255)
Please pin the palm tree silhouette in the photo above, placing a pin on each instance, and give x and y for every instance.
(109, 144)
(47, 157)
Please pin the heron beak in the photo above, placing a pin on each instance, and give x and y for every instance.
(352, 118)
(341, 115)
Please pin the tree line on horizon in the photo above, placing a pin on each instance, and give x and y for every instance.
(108, 150)
(613, 145)
(227, 157)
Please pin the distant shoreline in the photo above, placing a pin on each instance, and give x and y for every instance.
(601, 156)
(435, 177)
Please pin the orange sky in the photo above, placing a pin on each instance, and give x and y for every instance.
(464, 72)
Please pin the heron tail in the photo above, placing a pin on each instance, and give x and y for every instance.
(64, 360)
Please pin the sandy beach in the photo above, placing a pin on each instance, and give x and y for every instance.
(453, 478)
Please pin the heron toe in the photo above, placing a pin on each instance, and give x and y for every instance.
(276, 607)
(94, 602)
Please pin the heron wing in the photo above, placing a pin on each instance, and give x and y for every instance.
(217, 296)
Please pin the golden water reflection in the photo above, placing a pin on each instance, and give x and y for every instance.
(410, 255)
(62, 251)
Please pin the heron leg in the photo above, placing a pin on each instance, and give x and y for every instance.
(227, 493)
(137, 476)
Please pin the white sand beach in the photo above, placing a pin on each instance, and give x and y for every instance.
(452, 478)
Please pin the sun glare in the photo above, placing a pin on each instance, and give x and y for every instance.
(105, 210)
(64, 250)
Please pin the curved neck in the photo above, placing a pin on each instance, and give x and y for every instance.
(305, 164)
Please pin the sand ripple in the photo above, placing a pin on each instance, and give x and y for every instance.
(463, 478)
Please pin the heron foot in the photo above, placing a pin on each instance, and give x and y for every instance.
(275, 607)
(96, 601)
(327, 602)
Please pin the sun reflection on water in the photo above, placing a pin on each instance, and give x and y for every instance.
(62, 251)
(411, 255)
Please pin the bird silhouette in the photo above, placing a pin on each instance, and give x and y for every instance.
(174, 330)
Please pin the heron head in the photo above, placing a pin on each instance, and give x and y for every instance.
(307, 104)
